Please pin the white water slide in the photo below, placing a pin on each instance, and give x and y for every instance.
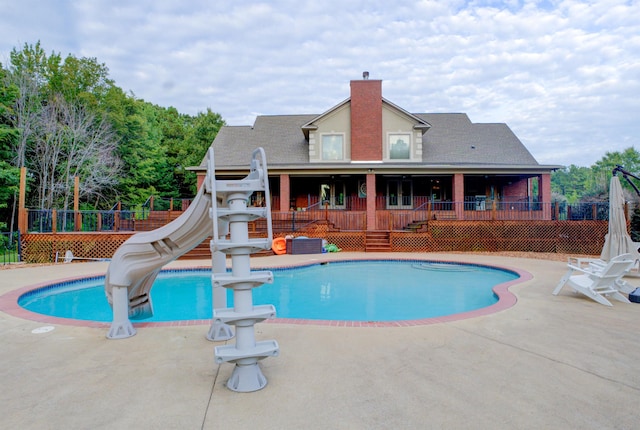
(137, 262)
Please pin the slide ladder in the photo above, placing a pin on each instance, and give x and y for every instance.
(230, 209)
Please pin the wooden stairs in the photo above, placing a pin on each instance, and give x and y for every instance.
(416, 226)
(202, 251)
(377, 241)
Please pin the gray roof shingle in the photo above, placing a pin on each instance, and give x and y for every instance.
(452, 140)
(281, 137)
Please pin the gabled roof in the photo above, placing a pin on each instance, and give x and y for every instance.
(311, 125)
(452, 140)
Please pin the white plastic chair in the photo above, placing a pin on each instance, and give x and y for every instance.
(596, 265)
(598, 283)
(69, 257)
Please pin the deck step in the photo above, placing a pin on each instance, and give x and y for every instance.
(416, 226)
(377, 241)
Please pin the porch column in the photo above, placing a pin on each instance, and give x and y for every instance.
(545, 195)
(458, 195)
(285, 192)
(200, 178)
(371, 201)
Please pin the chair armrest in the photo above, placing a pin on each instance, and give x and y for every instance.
(589, 264)
(589, 270)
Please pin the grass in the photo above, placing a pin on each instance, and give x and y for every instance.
(9, 256)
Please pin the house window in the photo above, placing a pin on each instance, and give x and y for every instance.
(332, 194)
(400, 146)
(332, 147)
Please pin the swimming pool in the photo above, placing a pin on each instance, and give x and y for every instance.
(362, 290)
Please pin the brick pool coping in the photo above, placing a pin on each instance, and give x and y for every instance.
(506, 300)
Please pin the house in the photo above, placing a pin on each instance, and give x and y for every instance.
(367, 159)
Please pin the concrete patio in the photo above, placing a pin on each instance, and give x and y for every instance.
(555, 362)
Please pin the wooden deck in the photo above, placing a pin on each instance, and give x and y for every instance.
(568, 237)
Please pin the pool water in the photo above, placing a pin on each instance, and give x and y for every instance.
(351, 291)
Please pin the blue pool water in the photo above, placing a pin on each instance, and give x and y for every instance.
(352, 291)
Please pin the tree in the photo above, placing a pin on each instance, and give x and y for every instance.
(571, 182)
(72, 142)
(199, 138)
(72, 120)
(146, 170)
(82, 80)
(89, 154)
(9, 175)
(62, 131)
(174, 127)
(187, 140)
(592, 183)
(602, 170)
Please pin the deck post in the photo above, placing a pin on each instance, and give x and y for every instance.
(22, 211)
(77, 217)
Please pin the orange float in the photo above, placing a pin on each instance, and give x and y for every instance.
(279, 245)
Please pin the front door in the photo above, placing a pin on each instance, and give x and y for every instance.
(332, 194)
(399, 194)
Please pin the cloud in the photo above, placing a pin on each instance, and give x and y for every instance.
(563, 74)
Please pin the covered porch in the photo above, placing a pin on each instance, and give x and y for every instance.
(402, 201)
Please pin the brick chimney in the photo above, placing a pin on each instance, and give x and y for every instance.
(366, 119)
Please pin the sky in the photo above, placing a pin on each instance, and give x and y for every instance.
(563, 74)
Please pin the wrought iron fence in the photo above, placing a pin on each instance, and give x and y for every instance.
(583, 211)
(48, 221)
(10, 247)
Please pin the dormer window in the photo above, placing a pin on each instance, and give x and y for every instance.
(332, 147)
(399, 146)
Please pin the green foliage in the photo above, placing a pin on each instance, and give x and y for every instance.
(155, 145)
(8, 133)
(81, 79)
(9, 175)
(146, 168)
(591, 184)
(32, 61)
(200, 136)
(602, 169)
(571, 182)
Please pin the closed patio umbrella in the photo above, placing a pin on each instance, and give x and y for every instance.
(617, 241)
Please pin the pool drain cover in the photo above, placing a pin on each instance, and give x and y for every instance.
(44, 329)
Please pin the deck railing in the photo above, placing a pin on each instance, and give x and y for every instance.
(351, 217)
